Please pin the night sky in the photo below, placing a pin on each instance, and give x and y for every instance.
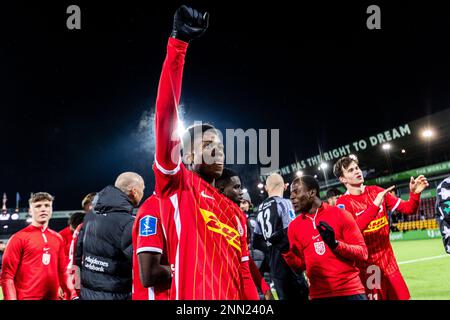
(76, 104)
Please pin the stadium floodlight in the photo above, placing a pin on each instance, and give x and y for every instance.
(299, 173)
(5, 226)
(427, 133)
(262, 191)
(244, 190)
(315, 176)
(260, 185)
(14, 216)
(323, 166)
(386, 146)
(29, 220)
(403, 151)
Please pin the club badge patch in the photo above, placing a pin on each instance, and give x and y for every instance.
(147, 226)
(46, 257)
(319, 247)
(341, 206)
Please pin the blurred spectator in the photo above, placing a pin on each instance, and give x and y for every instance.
(2, 249)
(74, 220)
(88, 202)
(332, 195)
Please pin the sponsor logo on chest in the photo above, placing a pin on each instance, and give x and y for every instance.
(376, 225)
(231, 235)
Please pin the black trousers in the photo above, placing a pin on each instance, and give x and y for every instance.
(292, 288)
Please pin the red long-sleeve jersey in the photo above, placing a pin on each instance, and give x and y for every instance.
(148, 236)
(373, 221)
(34, 266)
(66, 234)
(206, 240)
(331, 273)
(72, 267)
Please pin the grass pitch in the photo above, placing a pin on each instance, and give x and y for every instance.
(426, 268)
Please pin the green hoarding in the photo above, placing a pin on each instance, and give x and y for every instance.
(415, 235)
(443, 167)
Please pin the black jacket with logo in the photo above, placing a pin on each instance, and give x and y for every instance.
(104, 248)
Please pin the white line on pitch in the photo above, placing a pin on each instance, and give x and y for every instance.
(424, 259)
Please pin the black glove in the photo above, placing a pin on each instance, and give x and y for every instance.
(327, 234)
(280, 240)
(189, 24)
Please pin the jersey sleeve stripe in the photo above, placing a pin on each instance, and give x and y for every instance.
(149, 249)
(168, 172)
(174, 200)
(397, 204)
(151, 293)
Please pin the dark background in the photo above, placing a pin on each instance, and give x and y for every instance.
(75, 104)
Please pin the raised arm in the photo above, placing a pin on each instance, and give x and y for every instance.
(365, 217)
(416, 186)
(187, 25)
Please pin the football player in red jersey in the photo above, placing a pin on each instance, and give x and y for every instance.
(369, 205)
(151, 272)
(34, 263)
(206, 245)
(229, 184)
(326, 242)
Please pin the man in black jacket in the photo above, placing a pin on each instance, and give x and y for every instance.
(104, 247)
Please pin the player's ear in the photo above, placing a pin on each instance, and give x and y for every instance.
(342, 180)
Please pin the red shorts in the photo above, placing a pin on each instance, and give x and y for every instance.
(392, 287)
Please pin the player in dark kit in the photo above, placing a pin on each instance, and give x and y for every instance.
(274, 216)
(443, 211)
(206, 242)
(370, 205)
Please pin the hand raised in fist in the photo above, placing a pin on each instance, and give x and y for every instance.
(189, 24)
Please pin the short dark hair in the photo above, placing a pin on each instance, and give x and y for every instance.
(188, 137)
(343, 163)
(309, 182)
(333, 192)
(40, 196)
(75, 219)
(225, 178)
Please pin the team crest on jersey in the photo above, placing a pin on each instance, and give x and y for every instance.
(319, 246)
(46, 257)
(341, 206)
(147, 226)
